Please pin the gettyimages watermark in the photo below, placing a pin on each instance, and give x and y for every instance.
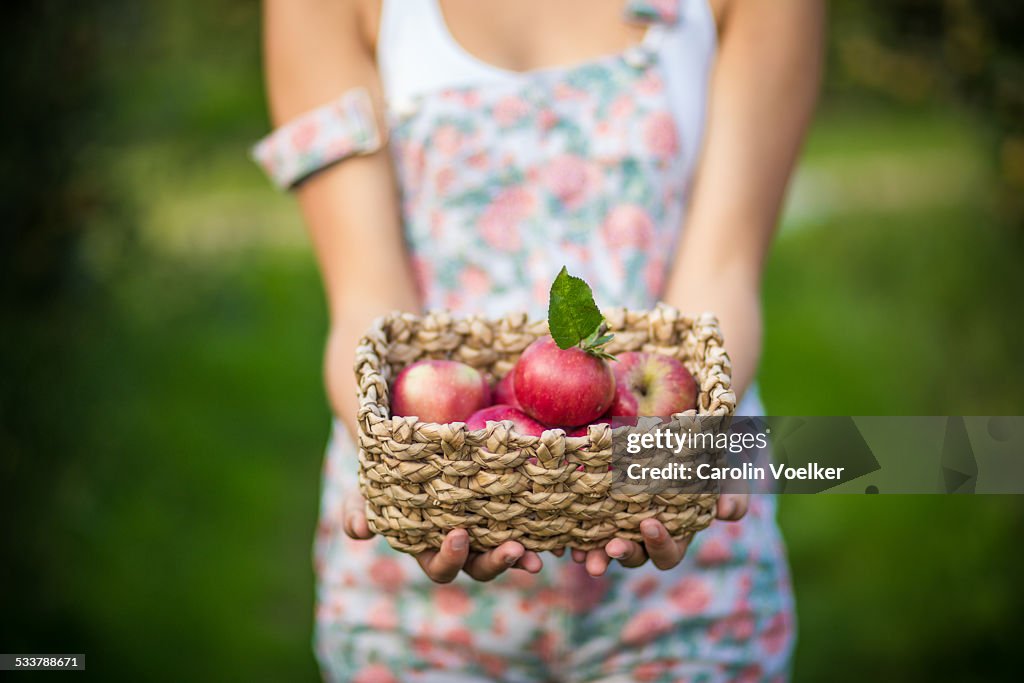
(767, 454)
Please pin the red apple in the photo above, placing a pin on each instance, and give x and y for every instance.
(584, 430)
(651, 384)
(562, 387)
(439, 391)
(521, 422)
(504, 390)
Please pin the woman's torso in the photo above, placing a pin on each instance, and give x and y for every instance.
(506, 176)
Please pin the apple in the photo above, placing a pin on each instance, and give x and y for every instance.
(521, 422)
(650, 384)
(439, 391)
(504, 390)
(584, 430)
(562, 387)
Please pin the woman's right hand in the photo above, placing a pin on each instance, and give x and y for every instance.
(443, 565)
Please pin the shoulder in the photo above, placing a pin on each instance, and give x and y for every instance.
(316, 49)
(720, 8)
(353, 22)
(366, 14)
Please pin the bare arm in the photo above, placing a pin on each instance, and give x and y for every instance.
(762, 96)
(314, 51)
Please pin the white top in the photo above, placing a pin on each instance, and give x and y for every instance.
(417, 55)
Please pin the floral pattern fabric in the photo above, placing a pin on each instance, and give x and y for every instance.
(501, 185)
(321, 137)
(724, 614)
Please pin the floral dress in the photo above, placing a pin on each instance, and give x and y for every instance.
(501, 186)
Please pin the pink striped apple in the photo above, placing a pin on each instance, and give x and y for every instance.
(521, 422)
(562, 387)
(650, 384)
(439, 391)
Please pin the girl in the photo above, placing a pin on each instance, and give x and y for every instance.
(644, 144)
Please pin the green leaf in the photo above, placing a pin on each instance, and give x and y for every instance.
(594, 344)
(572, 314)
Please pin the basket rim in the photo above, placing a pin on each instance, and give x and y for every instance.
(377, 339)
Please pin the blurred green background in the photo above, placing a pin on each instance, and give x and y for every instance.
(162, 416)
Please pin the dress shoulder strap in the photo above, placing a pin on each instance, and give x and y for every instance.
(653, 11)
(415, 25)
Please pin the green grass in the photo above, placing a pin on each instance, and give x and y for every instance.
(905, 587)
(182, 515)
(900, 306)
(880, 300)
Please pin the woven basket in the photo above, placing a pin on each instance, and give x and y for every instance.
(422, 479)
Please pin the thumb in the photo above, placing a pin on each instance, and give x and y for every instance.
(354, 517)
(732, 506)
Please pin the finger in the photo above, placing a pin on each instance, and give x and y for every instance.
(628, 553)
(445, 564)
(485, 566)
(558, 552)
(664, 552)
(530, 561)
(354, 518)
(597, 562)
(732, 506)
(578, 556)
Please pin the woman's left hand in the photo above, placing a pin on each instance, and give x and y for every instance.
(660, 548)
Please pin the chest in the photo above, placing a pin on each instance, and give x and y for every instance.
(536, 34)
(532, 34)
(423, 68)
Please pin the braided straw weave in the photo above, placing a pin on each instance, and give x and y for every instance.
(422, 479)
